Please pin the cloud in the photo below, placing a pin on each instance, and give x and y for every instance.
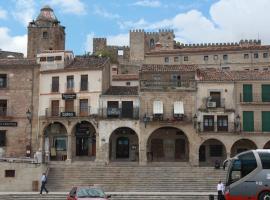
(3, 14)
(70, 6)
(12, 43)
(141, 23)
(148, 3)
(104, 13)
(24, 11)
(118, 40)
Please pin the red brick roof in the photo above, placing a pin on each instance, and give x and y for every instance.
(125, 77)
(122, 90)
(168, 68)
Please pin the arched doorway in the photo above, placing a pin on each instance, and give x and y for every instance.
(85, 140)
(267, 145)
(241, 146)
(168, 144)
(212, 151)
(124, 145)
(56, 141)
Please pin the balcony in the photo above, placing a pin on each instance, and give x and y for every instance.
(162, 119)
(254, 98)
(167, 85)
(230, 127)
(6, 113)
(70, 87)
(119, 113)
(215, 104)
(76, 112)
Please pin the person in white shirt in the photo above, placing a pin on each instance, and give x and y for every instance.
(43, 184)
(220, 190)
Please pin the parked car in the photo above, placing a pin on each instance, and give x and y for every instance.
(87, 193)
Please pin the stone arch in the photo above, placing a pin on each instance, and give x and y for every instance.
(211, 151)
(124, 144)
(267, 145)
(83, 140)
(55, 142)
(167, 143)
(242, 145)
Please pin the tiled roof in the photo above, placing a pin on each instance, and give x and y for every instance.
(208, 49)
(125, 77)
(122, 90)
(168, 68)
(90, 62)
(20, 62)
(224, 75)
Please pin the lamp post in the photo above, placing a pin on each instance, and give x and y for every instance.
(29, 147)
(195, 121)
(145, 120)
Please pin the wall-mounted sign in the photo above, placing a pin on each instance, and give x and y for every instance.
(67, 96)
(5, 123)
(68, 114)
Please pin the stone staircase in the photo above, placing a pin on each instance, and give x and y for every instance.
(134, 178)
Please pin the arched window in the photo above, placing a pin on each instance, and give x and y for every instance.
(152, 43)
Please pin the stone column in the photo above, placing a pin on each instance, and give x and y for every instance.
(193, 155)
(69, 148)
(142, 150)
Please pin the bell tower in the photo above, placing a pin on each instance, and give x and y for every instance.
(45, 33)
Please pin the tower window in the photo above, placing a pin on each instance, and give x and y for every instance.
(45, 35)
(152, 43)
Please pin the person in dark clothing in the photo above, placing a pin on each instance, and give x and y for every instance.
(43, 184)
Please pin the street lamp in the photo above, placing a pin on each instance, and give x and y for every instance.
(29, 147)
(195, 121)
(145, 120)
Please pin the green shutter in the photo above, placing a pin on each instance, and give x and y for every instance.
(248, 121)
(247, 93)
(266, 93)
(266, 121)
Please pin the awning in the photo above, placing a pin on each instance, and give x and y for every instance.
(158, 107)
(178, 107)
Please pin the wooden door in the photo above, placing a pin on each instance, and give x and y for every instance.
(157, 148)
(69, 106)
(55, 107)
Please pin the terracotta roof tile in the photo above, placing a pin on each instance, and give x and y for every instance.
(168, 68)
(122, 90)
(90, 62)
(125, 77)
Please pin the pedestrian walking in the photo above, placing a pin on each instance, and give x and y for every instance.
(43, 183)
(220, 190)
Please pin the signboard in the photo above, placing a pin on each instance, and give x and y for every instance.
(68, 114)
(6, 123)
(69, 96)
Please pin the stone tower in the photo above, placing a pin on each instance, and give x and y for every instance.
(99, 44)
(45, 33)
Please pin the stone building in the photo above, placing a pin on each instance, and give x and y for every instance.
(69, 103)
(19, 88)
(10, 54)
(45, 33)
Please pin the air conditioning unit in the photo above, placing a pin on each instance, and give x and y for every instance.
(211, 104)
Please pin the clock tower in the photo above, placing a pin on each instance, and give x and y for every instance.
(45, 33)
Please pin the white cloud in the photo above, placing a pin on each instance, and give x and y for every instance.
(70, 6)
(3, 13)
(12, 43)
(148, 3)
(229, 21)
(24, 11)
(104, 13)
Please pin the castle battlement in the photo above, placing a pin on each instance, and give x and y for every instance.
(166, 31)
(137, 31)
(100, 39)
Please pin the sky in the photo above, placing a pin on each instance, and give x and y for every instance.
(193, 21)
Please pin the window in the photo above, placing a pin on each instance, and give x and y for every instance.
(265, 92)
(69, 105)
(265, 55)
(2, 138)
(113, 110)
(128, 83)
(256, 55)
(215, 57)
(176, 79)
(70, 82)
(246, 56)
(45, 35)
(248, 121)
(55, 108)
(265, 69)
(216, 97)
(83, 107)
(84, 82)
(216, 150)
(205, 58)
(208, 123)
(60, 143)
(248, 163)
(3, 107)
(176, 59)
(42, 59)
(225, 57)
(3, 80)
(247, 93)
(222, 123)
(55, 84)
(166, 59)
(120, 52)
(50, 59)
(265, 159)
(225, 68)
(157, 77)
(58, 58)
(265, 121)
(185, 58)
(152, 43)
(9, 173)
